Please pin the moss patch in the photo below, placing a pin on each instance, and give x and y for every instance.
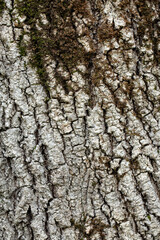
(146, 21)
(2, 6)
(58, 37)
(97, 226)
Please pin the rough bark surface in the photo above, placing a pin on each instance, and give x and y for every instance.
(80, 158)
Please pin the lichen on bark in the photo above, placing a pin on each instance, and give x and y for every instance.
(79, 159)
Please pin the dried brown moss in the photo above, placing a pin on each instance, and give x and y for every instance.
(59, 38)
(96, 226)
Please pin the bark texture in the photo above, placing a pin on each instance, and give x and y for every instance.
(79, 120)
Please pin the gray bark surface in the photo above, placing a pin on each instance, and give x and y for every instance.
(82, 164)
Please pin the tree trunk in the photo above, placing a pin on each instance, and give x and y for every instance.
(79, 120)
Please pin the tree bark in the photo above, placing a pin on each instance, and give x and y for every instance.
(79, 120)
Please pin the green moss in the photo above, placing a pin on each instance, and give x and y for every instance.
(2, 6)
(22, 46)
(94, 183)
(62, 46)
(59, 39)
